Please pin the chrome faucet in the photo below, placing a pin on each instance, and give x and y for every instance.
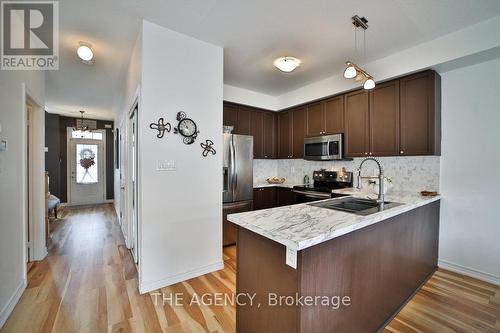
(380, 177)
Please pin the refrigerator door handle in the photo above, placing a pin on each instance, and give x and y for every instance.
(225, 179)
(234, 178)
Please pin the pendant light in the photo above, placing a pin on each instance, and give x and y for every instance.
(353, 71)
(81, 128)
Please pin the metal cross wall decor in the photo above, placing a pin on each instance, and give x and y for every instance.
(208, 148)
(161, 127)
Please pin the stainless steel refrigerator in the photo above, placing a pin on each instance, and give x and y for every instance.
(237, 170)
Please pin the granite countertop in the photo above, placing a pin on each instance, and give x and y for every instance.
(301, 226)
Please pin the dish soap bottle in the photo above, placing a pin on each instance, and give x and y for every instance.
(306, 179)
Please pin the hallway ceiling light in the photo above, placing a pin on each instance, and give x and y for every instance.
(352, 70)
(81, 127)
(85, 53)
(287, 64)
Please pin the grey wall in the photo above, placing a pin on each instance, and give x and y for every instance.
(53, 155)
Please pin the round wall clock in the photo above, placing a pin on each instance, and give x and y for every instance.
(186, 128)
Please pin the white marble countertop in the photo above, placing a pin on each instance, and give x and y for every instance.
(301, 226)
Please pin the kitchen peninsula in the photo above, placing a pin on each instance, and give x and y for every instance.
(379, 261)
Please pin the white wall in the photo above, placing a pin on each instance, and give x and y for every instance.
(249, 97)
(13, 183)
(470, 177)
(471, 40)
(180, 211)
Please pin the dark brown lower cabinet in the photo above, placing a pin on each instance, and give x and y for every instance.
(378, 267)
(285, 196)
(229, 231)
(264, 198)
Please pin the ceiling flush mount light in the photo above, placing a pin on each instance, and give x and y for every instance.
(287, 64)
(353, 71)
(85, 53)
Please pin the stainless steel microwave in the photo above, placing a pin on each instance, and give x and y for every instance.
(324, 148)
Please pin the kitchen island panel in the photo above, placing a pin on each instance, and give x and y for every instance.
(379, 267)
(261, 270)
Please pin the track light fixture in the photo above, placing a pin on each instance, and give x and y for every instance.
(353, 71)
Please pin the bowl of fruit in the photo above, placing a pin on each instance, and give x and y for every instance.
(276, 180)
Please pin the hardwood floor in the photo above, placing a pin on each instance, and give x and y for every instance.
(88, 283)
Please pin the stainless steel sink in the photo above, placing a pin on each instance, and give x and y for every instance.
(356, 205)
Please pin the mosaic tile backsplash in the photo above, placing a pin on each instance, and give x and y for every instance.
(413, 174)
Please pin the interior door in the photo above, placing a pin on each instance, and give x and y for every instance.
(133, 151)
(29, 172)
(121, 165)
(87, 161)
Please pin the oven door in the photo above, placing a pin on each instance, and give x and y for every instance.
(322, 148)
(309, 196)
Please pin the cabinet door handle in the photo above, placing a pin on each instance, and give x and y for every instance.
(401, 152)
(370, 153)
(366, 153)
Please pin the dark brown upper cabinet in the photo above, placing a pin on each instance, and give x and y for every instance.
(397, 117)
(334, 115)
(315, 123)
(230, 115)
(420, 122)
(284, 135)
(298, 132)
(257, 131)
(356, 124)
(384, 119)
(325, 117)
(259, 123)
(269, 134)
(243, 122)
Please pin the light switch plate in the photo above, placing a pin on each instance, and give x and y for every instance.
(166, 165)
(291, 257)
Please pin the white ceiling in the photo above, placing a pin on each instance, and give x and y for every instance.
(253, 33)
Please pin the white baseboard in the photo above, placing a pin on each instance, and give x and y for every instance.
(487, 277)
(147, 287)
(7, 310)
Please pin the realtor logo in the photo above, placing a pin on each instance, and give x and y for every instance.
(30, 35)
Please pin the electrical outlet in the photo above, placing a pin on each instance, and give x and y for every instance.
(291, 257)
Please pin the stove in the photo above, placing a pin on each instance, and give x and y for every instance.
(324, 183)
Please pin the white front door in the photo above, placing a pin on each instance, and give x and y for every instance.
(86, 163)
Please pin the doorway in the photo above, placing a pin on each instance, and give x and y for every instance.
(29, 179)
(87, 167)
(133, 153)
